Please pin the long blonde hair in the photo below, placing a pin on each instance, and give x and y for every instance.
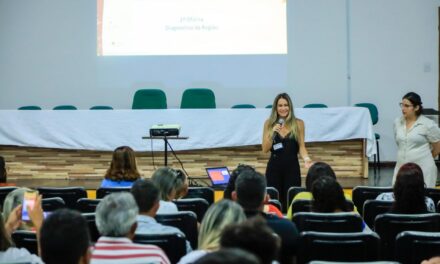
(218, 216)
(290, 122)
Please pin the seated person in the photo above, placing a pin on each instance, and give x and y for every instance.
(218, 216)
(170, 183)
(146, 195)
(268, 208)
(123, 169)
(65, 238)
(229, 256)
(317, 170)
(116, 222)
(8, 252)
(409, 192)
(253, 235)
(12, 200)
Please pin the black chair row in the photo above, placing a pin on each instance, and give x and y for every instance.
(304, 205)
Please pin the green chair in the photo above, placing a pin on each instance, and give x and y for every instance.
(101, 107)
(374, 113)
(315, 106)
(65, 107)
(198, 98)
(243, 106)
(29, 107)
(149, 99)
(268, 106)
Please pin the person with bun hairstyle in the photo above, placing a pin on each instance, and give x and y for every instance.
(417, 138)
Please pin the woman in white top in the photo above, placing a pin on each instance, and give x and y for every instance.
(417, 138)
(172, 185)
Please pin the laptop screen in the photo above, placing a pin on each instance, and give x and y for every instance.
(218, 176)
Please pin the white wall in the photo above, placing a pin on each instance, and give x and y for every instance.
(48, 57)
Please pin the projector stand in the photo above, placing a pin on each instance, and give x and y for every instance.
(166, 139)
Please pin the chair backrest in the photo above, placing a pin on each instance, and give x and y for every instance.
(374, 113)
(315, 106)
(149, 99)
(388, 226)
(65, 107)
(328, 222)
(243, 106)
(268, 106)
(174, 245)
(29, 107)
(197, 205)
(433, 193)
(101, 192)
(91, 222)
(206, 193)
(373, 208)
(69, 194)
(292, 192)
(4, 192)
(185, 221)
(362, 193)
(414, 247)
(276, 203)
(198, 98)
(86, 205)
(26, 239)
(101, 107)
(52, 204)
(273, 193)
(305, 205)
(338, 247)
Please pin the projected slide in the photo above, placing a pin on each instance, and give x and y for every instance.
(191, 27)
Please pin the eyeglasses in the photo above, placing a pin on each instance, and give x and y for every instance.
(405, 105)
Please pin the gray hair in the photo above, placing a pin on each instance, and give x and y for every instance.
(116, 214)
(12, 200)
(167, 180)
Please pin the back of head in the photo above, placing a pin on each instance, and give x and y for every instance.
(228, 256)
(169, 181)
(250, 187)
(328, 196)
(254, 236)
(234, 175)
(218, 216)
(409, 190)
(145, 193)
(317, 170)
(123, 165)
(3, 172)
(12, 200)
(116, 214)
(64, 237)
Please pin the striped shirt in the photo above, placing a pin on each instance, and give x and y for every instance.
(121, 250)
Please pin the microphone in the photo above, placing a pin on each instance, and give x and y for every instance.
(280, 122)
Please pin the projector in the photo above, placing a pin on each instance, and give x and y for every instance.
(162, 130)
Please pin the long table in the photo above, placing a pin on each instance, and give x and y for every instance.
(104, 130)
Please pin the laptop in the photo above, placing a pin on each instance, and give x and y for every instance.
(219, 177)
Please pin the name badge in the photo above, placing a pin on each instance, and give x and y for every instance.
(277, 146)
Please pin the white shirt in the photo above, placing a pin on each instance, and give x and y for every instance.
(389, 196)
(167, 208)
(22, 255)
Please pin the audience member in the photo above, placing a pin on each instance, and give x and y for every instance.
(9, 253)
(250, 193)
(433, 260)
(116, 222)
(253, 236)
(268, 208)
(328, 196)
(171, 184)
(146, 195)
(228, 256)
(12, 200)
(409, 192)
(218, 216)
(316, 171)
(65, 238)
(123, 169)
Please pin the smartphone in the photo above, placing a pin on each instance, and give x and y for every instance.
(28, 200)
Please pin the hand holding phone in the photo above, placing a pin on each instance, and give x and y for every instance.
(29, 199)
